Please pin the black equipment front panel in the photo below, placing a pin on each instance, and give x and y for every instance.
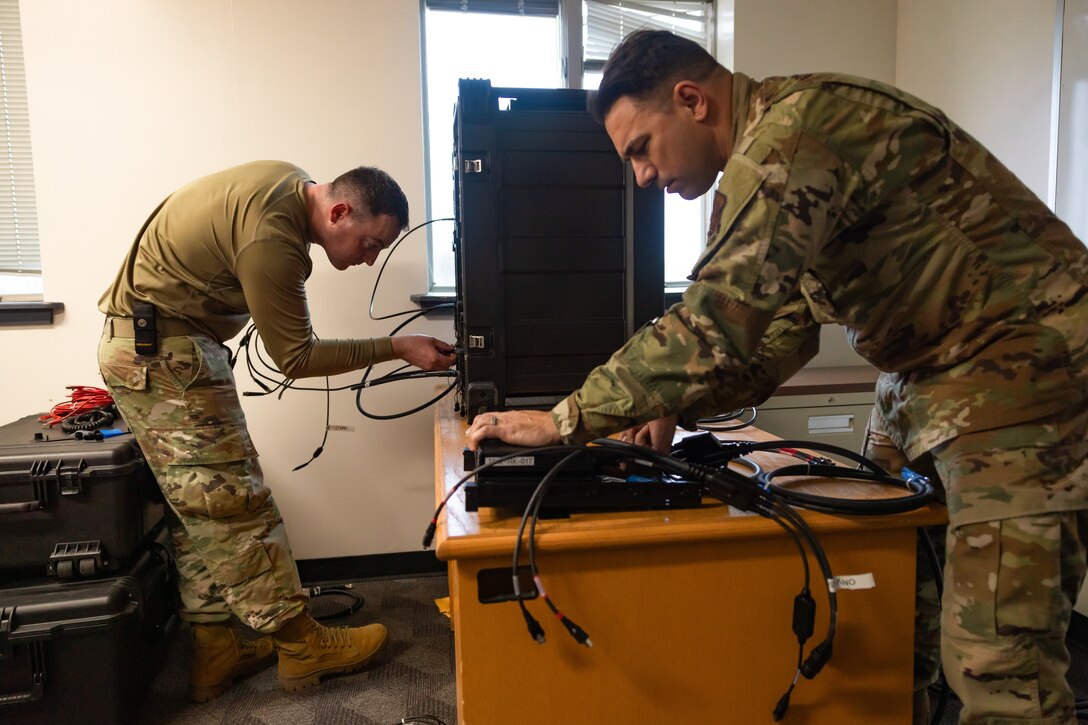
(559, 255)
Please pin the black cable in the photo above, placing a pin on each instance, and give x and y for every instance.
(921, 490)
(809, 666)
(405, 413)
(709, 450)
(705, 449)
(362, 384)
(727, 422)
(92, 419)
(392, 248)
(344, 591)
(325, 437)
(748, 463)
(428, 536)
(426, 719)
(535, 502)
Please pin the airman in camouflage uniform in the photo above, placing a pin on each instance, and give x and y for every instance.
(846, 201)
(226, 246)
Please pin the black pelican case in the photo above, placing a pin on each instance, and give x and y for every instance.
(85, 651)
(71, 508)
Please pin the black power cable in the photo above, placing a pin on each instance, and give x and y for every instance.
(706, 449)
(727, 422)
(89, 420)
(270, 384)
(324, 604)
(744, 493)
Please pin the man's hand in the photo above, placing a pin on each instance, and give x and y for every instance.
(520, 427)
(424, 351)
(656, 434)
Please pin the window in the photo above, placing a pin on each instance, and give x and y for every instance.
(20, 261)
(1072, 137)
(540, 44)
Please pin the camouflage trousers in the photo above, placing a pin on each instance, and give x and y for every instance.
(230, 542)
(1009, 583)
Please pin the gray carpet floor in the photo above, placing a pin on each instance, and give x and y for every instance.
(412, 676)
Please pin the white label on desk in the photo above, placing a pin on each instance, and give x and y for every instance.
(516, 461)
(852, 581)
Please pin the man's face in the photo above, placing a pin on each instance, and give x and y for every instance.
(358, 239)
(666, 145)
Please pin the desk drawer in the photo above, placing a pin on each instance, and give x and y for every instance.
(818, 419)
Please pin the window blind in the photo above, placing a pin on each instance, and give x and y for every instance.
(548, 8)
(609, 21)
(18, 215)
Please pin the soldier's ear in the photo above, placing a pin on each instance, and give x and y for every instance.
(339, 210)
(691, 97)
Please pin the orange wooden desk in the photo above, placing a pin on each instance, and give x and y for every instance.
(689, 611)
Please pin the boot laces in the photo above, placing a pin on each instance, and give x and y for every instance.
(335, 637)
(247, 646)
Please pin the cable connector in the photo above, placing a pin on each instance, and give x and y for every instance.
(816, 659)
(913, 476)
(535, 630)
(428, 537)
(804, 616)
(782, 706)
(577, 632)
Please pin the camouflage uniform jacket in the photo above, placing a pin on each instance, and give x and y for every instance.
(847, 201)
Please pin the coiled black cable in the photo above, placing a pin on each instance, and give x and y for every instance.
(706, 449)
(727, 422)
(90, 420)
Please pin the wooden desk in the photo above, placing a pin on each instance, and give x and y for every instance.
(689, 611)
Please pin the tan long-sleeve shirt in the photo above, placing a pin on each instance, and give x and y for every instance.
(231, 246)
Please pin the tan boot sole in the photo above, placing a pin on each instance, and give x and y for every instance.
(310, 679)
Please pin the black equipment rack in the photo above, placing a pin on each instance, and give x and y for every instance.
(559, 256)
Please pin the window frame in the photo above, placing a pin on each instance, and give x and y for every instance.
(20, 248)
(572, 54)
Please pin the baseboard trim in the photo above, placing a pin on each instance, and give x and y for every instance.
(370, 566)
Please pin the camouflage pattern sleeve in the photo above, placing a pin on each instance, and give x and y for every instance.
(791, 340)
(779, 199)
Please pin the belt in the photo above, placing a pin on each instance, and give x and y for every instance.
(166, 327)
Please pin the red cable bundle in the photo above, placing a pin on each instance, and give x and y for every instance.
(82, 399)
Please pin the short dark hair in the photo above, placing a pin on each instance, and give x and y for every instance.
(646, 63)
(374, 190)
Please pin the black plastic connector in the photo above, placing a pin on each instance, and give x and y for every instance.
(577, 632)
(428, 537)
(816, 659)
(782, 706)
(535, 630)
(804, 616)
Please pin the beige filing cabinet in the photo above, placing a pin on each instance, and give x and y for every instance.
(823, 405)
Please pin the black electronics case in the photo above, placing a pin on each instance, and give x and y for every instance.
(71, 508)
(558, 255)
(86, 651)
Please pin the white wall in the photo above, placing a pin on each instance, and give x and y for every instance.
(128, 100)
(989, 65)
(783, 37)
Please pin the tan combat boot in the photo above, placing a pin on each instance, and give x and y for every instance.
(220, 657)
(309, 651)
